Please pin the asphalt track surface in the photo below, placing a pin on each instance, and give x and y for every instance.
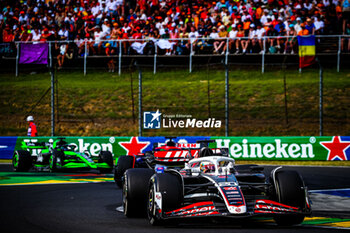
(92, 208)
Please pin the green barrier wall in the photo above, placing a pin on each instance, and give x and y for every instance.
(240, 148)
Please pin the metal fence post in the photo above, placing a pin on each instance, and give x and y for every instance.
(140, 99)
(226, 101)
(120, 59)
(339, 49)
(191, 50)
(85, 56)
(155, 59)
(263, 57)
(52, 102)
(50, 54)
(17, 57)
(321, 100)
(226, 56)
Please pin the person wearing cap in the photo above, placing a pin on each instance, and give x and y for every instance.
(297, 26)
(221, 41)
(32, 130)
(252, 39)
(233, 36)
(98, 36)
(109, 51)
(310, 26)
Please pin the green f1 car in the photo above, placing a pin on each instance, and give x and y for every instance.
(59, 155)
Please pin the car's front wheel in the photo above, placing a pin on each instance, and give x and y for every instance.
(135, 191)
(165, 194)
(290, 190)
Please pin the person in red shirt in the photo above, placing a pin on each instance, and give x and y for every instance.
(32, 131)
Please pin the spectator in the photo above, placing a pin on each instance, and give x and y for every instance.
(232, 36)
(240, 41)
(310, 26)
(260, 32)
(252, 38)
(346, 39)
(62, 54)
(220, 43)
(272, 32)
(291, 40)
(7, 34)
(109, 51)
(193, 35)
(319, 25)
(303, 31)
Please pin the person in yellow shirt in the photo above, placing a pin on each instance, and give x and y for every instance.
(221, 43)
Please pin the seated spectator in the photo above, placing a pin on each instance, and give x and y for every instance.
(232, 36)
(291, 40)
(260, 33)
(62, 54)
(193, 35)
(240, 40)
(346, 39)
(272, 32)
(220, 43)
(252, 39)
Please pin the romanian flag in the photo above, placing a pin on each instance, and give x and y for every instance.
(307, 50)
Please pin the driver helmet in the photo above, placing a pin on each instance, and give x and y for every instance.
(207, 167)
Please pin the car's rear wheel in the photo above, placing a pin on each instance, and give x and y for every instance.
(166, 188)
(135, 191)
(21, 161)
(106, 157)
(124, 163)
(290, 190)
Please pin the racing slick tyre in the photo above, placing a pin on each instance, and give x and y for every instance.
(135, 191)
(290, 190)
(106, 157)
(124, 163)
(56, 157)
(166, 188)
(21, 161)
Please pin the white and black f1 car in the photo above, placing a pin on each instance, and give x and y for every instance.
(212, 185)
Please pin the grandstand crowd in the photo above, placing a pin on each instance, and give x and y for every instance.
(99, 24)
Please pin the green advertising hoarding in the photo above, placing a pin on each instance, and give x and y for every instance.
(240, 148)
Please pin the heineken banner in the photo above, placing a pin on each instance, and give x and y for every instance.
(240, 148)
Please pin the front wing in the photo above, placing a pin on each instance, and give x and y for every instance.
(211, 209)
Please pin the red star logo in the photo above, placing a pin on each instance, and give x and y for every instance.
(336, 148)
(134, 147)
